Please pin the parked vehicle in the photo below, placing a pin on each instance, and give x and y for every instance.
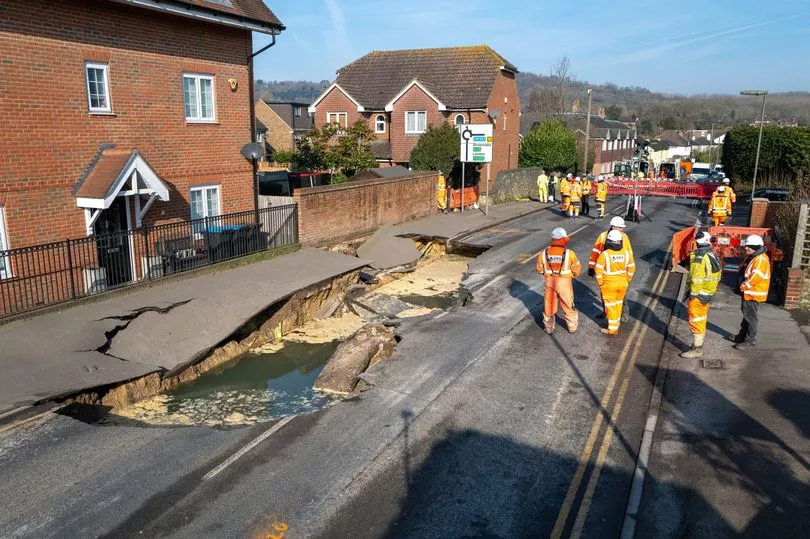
(670, 170)
(774, 194)
(720, 169)
(700, 171)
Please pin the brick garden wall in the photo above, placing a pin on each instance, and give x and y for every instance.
(49, 137)
(336, 212)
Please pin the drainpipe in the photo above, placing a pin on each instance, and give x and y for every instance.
(252, 97)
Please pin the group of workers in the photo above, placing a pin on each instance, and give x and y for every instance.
(613, 266)
(722, 203)
(574, 192)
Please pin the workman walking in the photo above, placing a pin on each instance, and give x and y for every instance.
(601, 197)
(754, 280)
(617, 223)
(587, 186)
(575, 199)
(565, 192)
(720, 206)
(731, 194)
(705, 271)
(542, 187)
(614, 270)
(559, 266)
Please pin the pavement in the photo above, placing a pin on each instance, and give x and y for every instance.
(731, 454)
(159, 328)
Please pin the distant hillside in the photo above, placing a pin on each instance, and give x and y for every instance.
(301, 91)
(670, 111)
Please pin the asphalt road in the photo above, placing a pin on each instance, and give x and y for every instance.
(480, 426)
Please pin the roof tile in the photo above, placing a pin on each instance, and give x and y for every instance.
(104, 172)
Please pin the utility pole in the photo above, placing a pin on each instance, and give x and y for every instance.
(711, 144)
(763, 93)
(587, 133)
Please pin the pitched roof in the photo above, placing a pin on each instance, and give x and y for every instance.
(600, 128)
(109, 170)
(673, 137)
(381, 149)
(254, 11)
(102, 173)
(284, 110)
(397, 171)
(460, 77)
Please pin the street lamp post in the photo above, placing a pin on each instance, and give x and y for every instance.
(587, 134)
(763, 93)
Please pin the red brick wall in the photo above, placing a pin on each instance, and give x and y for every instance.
(335, 101)
(415, 99)
(334, 212)
(506, 132)
(49, 137)
(759, 211)
(797, 280)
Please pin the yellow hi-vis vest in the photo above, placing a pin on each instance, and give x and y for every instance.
(705, 272)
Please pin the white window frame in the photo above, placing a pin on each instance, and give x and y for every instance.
(297, 112)
(604, 145)
(380, 118)
(345, 116)
(463, 119)
(4, 273)
(204, 189)
(198, 96)
(416, 122)
(106, 69)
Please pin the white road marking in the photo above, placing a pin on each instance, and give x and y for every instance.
(262, 437)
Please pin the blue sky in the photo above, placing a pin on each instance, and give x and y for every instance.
(682, 46)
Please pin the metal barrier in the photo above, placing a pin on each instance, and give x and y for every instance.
(660, 188)
(48, 274)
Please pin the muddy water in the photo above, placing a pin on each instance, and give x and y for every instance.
(257, 388)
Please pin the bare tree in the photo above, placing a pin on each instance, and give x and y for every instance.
(562, 81)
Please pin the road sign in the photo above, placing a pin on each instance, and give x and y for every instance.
(476, 143)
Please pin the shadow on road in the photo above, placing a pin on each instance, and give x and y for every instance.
(794, 405)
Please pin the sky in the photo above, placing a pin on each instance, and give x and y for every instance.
(677, 46)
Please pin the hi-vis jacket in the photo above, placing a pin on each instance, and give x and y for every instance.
(565, 187)
(615, 267)
(720, 204)
(575, 192)
(599, 246)
(587, 187)
(731, 194)
(705, 272)
(556, 260)
(756, 278)
(601, 191)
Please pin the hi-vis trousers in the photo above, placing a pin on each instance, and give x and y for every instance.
(613, 297)
(698, 316)
(560, 291)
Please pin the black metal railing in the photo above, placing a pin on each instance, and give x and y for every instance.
(48, 274)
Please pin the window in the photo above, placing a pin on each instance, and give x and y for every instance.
(415, 121)
(459, 119)
(379, 123)
(198, 97)
(5, 261)
(204, 201)
(339, 118)
(98, 87)
(297, 112)
(604, 145)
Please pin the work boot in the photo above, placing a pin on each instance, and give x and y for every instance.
(736, 339)
(693, 353)
(606, 331)
(747, 345)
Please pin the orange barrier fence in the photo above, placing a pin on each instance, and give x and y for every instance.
(726, 244)
(619, 186)
(470, 197)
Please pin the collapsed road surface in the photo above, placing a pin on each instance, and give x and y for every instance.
(479, 425)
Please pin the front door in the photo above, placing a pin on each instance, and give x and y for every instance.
(112, 243)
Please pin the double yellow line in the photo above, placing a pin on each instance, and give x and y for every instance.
(628, 357)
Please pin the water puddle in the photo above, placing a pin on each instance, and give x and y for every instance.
(258, 387)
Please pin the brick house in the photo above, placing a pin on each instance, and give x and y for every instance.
(611, 141)
(123, 113)
(285, 123)
(399, 93)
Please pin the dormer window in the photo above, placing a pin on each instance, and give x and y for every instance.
(379, 123)
(460, 120)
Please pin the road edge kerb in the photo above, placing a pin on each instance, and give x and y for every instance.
(467, 233)
(634, 498)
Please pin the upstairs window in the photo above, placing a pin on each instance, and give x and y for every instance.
(297, 112)
(379, 123)
(459, 120)
(198, 98)
(415, 121)
(98, 87)
(339, 118)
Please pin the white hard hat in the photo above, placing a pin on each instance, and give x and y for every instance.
(569, 175)
(704, 238)
(726, 180)
(614, 235)
(559, 233)
(721, 189)
(618, 222)
(577, 179)
(600, 179)
(753, 241)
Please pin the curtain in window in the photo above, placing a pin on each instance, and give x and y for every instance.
(207, 99)
(197, 208)
(190, 96)
(212, 200)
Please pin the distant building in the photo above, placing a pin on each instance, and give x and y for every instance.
(286, 122)
(611, 141)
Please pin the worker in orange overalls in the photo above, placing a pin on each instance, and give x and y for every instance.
(754, 280)
(565, 192)
(559, 266)
(731, 194)
(705, 272)
(575, 198)
(587, 191)
(614, 271)
(441, 193)
(720, 206)
(601, 197)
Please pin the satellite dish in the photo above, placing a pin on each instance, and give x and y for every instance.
(253, 151)
(493, 114)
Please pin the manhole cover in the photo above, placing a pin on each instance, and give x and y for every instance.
(712, 364)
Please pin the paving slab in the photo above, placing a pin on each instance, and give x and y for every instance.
(386, 250)
(167, 325)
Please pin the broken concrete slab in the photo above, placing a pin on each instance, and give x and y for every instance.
(387, 251)
(369, 345)
(57, 353)
(382, 304)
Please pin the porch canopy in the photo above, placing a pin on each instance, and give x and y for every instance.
(118, 173)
